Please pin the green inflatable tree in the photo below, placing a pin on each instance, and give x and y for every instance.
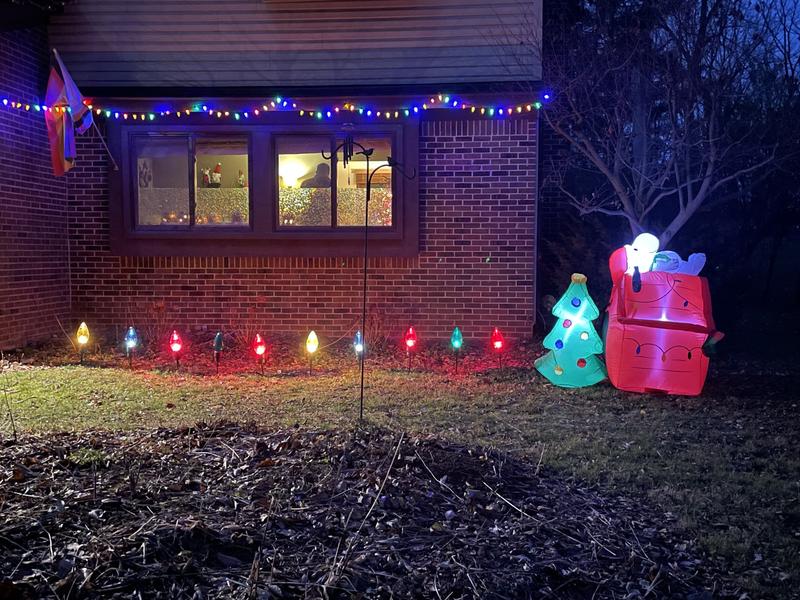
(573, 342)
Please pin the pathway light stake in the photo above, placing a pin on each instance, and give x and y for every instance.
(349, 148)
(131, 342)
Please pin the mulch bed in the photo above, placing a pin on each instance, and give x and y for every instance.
(224, 511)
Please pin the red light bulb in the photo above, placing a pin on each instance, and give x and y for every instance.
(259, 345)
(410, 338)
(175, 342)
(497, 340)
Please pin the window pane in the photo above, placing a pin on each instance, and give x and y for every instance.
(304, 182)
(221, 182)
(162, 166)
(351, 185)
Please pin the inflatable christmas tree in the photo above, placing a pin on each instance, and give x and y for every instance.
(573, 343)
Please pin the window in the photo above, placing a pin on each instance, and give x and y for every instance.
(162, 181)
(317, 192)
(266, 187)
(221, 182)
(215, 194)
(305, 194)
(351, 186)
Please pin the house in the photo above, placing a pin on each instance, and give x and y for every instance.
(229, 206)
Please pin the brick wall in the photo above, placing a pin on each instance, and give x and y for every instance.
(475, 267)
(34, 268)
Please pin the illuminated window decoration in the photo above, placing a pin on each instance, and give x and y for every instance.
(312, 345)
(410, 343)
(219, 345)
(660, 326)
(573, 343)
(176, 346)
(131, 343)
(456, 343)
(259, 347)
(82, 337)
(304, 108)
(358, 344)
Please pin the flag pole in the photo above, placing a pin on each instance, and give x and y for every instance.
(100, 135)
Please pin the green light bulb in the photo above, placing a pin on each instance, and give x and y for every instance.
(456, 340)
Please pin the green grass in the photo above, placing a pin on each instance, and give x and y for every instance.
(726, 465)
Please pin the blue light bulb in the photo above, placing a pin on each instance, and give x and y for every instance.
(358, 343)
(131, 339)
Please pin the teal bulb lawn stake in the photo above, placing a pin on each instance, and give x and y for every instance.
(218, 346)
(456, 341)
(131, 342)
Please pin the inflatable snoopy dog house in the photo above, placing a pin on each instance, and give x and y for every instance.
(659, 320)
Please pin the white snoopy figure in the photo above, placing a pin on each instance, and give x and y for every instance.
(643, 254)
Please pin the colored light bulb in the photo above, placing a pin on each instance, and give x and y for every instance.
(259, 345)
(312, 342)
(358, 343)
(456, 340)
(497, 340)
(218, 342)
(131, 339)
(83, 334)
(410, 338)
(175, 342)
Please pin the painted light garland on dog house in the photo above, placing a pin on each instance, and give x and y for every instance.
(573, 343)
(660, 327)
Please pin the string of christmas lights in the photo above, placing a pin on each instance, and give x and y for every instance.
(284, 105)
(260, 349)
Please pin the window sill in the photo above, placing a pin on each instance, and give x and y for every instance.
(309, 244)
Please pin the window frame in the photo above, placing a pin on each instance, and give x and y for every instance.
(262, 236)
(381, 232)
(192, 228)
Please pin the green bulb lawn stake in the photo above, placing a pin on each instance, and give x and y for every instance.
(456, 341)
(218, 346)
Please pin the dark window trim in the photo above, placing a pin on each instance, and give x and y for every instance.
(263, 237)
(191, 229)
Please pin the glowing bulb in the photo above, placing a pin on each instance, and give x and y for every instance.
(497, 340)
(83, 335)
(175, 342)
(358, 343)
(131, 339)
(410, 338)
(312, 342)
(259, 345)
(456, 340)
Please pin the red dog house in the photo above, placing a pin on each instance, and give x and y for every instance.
(656, 330)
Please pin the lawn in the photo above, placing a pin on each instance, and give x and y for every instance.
(725, 465)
